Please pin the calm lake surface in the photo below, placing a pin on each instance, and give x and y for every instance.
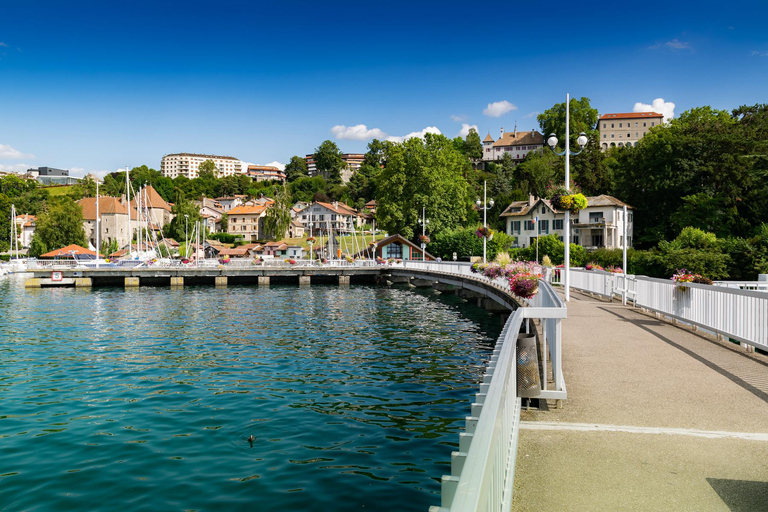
(145, 399)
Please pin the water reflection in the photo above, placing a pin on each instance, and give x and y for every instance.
(353, 396)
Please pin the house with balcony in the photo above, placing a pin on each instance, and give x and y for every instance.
(336, 217)
(599, 225)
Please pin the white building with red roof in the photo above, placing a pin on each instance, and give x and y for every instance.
(515, 144)
(626, 129)
(335, 216)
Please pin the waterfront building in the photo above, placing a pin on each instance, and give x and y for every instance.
(113, 222)
(26, 228)
(397, 247)
(247, 221)
(159, 210)
(626, 129)
(599, 225)
(187, 164)
(335, 216)
(352, 163)
(515, 144)
(265, 172)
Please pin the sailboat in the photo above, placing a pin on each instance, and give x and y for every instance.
(15, 264)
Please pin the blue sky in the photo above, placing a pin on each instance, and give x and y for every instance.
(96, 86)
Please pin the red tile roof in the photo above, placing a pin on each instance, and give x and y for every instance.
(107, 206)
(630, 115)
(68, 251)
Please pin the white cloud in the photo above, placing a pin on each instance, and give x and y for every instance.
(8, 152)
(759, 54)
(532, 114)
(674, 44)
(277, 164)
(14, 167)
(666, 108)
(498, 108)
(428, 129)
(465, 129)
(3, 44)
(357, 132)
(458, 119)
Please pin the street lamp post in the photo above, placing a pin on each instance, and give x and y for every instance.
(485, 205)
(582, 141)
(312, 243)
(186, 236)
(423, 221)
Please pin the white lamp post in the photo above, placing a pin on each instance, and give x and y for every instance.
(582, 141)
(423, 221)
(485, 205)
(186, 236)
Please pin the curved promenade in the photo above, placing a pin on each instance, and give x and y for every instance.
(658, 418)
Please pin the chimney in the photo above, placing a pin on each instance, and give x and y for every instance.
(502, 133)
(531, 199)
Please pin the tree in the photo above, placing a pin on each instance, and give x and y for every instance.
(583, 118)
(278, 217)
(179, 225)
(207, 168)
(473, 147)
(304, 189)
(538, 169)
(224, 222)
(295, 169)
(423, 173)
(329, 161)
(57, 226)
(504, 173)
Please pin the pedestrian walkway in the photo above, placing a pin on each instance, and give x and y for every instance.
(657, 418)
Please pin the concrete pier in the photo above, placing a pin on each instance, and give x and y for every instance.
(220, 281)
(131, 282)
(305, 280)
(263, 280)
(343, 280)
(83, 282)
(177, 282)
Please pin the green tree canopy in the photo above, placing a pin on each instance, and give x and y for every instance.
(583, 118)
(295, 169)
(473, 147)
(176, 228)
(329, 161)
(278, 217)
(423, 173)
(59, 225)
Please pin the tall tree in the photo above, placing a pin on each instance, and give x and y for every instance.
(278, 217)
(295, 169)
(59, 225)
(473, 146)
(179, 227)
(329, 161)
(583, 119)
(423, 173)
(537, 171)
(207, 167)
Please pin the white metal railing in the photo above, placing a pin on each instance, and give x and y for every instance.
(734, 313)
(744, 285)
(730, 309)
(482, 471)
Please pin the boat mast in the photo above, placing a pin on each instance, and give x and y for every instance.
(97, 223)
(14, 233)
(128, 207)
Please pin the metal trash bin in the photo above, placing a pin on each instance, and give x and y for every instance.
(528, 382)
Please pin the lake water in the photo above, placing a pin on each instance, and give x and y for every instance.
(144, 399)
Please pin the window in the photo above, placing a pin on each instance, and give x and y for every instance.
(321, 218)
(629, 214)
(635, 125)
(637, 134)
(543, 209)
(604, 125)
(529, 225)
(557, 224)
(619, 125)
(544, 226)
(611, 125)
(576, 240)
(516, 226)
(645, 124)
(595, 217)
(605, 135)
(628, 135)
(395, 250)
(653, 123)
(613, 135)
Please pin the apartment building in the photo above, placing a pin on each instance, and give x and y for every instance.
(336, 216)
(625, 129)
(247, 220)
(352, 163)
(599, 225)
(265, 172)
(187, 164)
(516, 144)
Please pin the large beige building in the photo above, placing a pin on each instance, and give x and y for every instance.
(516, 144)
(248, 220)
(624, 130)
(187, 164)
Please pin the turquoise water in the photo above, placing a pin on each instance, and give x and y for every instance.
(145, 399)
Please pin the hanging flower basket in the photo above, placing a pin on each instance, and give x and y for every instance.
(311, 240)
(524, 285)
(290, 261)
(424, 239)
(569, 202)
(484, 232)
